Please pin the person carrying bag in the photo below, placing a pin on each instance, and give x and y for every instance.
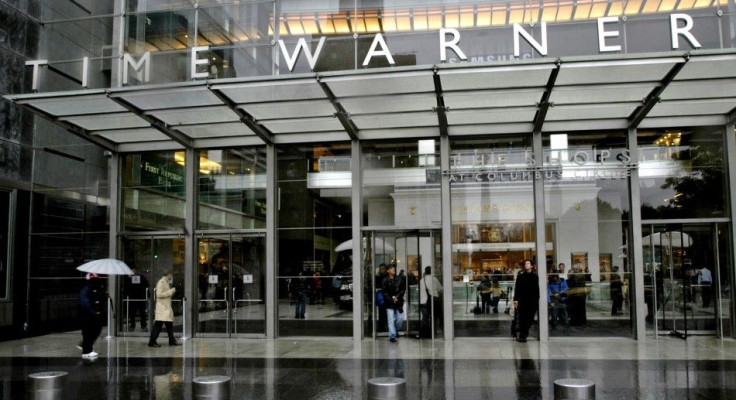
(430, 302)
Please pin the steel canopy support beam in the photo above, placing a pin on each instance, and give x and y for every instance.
(441, 108)
(262, 132)
(653, 98)
(544, 103)
(340, 112)
(156, 123)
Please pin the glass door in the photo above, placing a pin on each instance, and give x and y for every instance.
(231, 285)
(411, 252)
(683, 269)
(151, 258)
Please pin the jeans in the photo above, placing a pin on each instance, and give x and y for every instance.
(558, 314)
(395, 321)
(301, 305)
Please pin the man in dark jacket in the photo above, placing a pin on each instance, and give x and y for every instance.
(393, 294)
(526, 299)
(91, 304)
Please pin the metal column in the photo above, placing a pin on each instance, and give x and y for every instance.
(446, 211)
(113, 176)
(190, 246)
(636, 258)
(541, 239)
(271, 213)
(356, 173)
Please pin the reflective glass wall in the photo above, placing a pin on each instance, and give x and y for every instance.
(493, 232)
(314, 263)
(586, 202)
(684, 212)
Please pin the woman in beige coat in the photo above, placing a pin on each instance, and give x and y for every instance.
(164, 313)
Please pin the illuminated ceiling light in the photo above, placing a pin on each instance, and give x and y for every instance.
(703, 3)
(341, 25)
(372, 24)
(326, 26)
(420, 22)
(435, 20)
(467, 19)
(616, 8)
(564, 13)
(685, 4)
(516, 16)
(650, 6)
(403, 22)
(295, 27)
(179, 157)
(310, 26)
(599, 9)
(499, 17)
(483, 18)
(452, 19)
(389, 23)
(582, 11)
(359, 24)
(549, 14)
(632, 7)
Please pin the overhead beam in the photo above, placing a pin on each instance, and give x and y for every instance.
(653, 98)
(441, 109)
(340, 112)
(544, 103)
(156, 123)
(246, 119)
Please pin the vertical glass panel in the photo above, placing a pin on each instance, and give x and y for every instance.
(152, 192)
(153, 258)
(232, 189)
(682, 173)
(5, 244)
(239, 38)
(586, 200)
(136, 300)
(314, 233)
(492, 196)
(231, 285)
(687, 273)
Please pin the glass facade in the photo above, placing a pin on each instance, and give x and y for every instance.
(586, 189)
(314, 222)
(262, 243)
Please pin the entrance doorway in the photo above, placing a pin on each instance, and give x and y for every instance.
(685, 266)
(151, 257)
(411, 251)
(230, 286)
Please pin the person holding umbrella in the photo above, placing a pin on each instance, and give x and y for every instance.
(91, 303)
(164, 312)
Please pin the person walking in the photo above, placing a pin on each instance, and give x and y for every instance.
(91, 304)
(430, 302)
(164, 313)
(617, 292)
(394, 288)
(705, 280)
(526, 299)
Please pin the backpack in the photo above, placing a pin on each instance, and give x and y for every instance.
(379, 298)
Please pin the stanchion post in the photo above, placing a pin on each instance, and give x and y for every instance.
(184, 318)
(109, 319)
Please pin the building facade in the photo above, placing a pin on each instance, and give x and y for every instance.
(274, 154)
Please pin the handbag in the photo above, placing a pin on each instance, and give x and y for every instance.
(379, 298)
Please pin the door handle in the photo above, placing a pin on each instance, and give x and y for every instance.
(224, 295)
(234, 295)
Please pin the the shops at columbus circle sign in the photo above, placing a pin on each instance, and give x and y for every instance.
(449, 38)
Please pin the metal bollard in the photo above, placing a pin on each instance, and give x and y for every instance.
(214, 387)
(574, 389)
(386, 389)
(46, 385)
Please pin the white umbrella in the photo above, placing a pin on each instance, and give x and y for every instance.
(106, 266)
(673, 239)
(380, 246)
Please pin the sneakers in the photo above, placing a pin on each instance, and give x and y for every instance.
(175, 344)
(154, 345)
(392, 340)
(90, 356)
